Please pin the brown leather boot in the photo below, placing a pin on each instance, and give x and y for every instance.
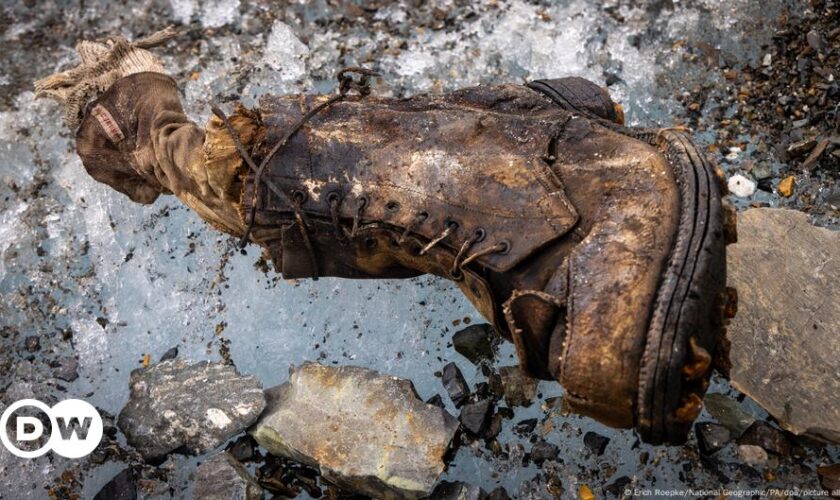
(596, 248)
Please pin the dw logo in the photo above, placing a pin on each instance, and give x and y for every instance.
(75, 428)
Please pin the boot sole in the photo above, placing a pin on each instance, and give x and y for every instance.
(686, 324)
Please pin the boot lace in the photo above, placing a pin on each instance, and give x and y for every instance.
(345, 85)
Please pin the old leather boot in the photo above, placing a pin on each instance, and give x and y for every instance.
(596, 248)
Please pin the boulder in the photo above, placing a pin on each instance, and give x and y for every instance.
(223, 478)
(367, 432)
(784, 337)
(200, 406)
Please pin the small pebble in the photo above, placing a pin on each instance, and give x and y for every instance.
(741, 186)
(752, 455)
(32, 343)
(786, 186)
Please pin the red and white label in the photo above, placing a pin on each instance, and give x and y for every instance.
(107, 122)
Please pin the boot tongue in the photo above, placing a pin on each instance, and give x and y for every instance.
(533, 317)
(580, 95)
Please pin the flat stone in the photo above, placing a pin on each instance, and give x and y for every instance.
(367, 432)
(711, 437)
(784, 338)
(455, 384)
(477, 343)
(223, 478)
(519, 389)
(727, 411)
(198, 406)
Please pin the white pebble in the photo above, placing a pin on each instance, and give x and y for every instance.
(741, 186)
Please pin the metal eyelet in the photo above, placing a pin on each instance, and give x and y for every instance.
(456, 274)
(333, 196)
(479, 234)
(506, 244)
(363, 201)
(370, 242)
(299, 196)
(392, 206)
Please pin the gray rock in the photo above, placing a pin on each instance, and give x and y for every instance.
(543, 450)
(170, 354)
(711, 437)
(67, 369)
(475, 415)
(223, 478)
(752, 455)
(784, 338)
(728, 413)
(200, 406)
(32, 343)
(768, 437)
(457, 491)
(477, 343)
(596, 443)
(367, 432)
(519, 389)
(123, 486)
(455, 385)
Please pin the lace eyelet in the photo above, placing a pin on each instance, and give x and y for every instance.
(456, 274)
(299, 196)
(479, 234)
(392, 206)
(506, 247)
(333, 197)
